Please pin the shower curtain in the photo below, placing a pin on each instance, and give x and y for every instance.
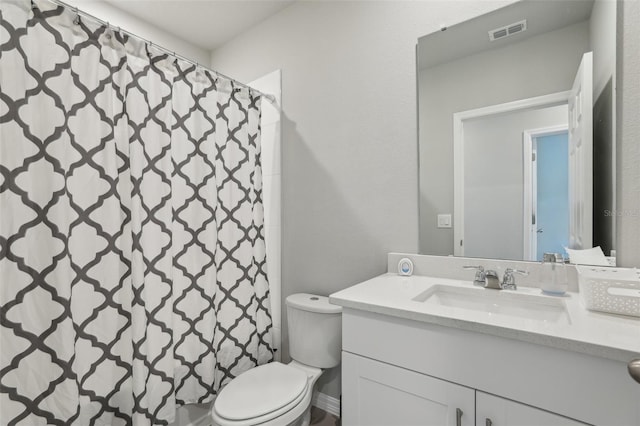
(132, 254)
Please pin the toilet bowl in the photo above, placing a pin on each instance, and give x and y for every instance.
(277, 394)
(274, 395)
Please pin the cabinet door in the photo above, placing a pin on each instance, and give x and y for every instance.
(495, 411)
(379, 394)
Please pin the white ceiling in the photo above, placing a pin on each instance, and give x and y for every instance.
(472, 36)
(204, 23)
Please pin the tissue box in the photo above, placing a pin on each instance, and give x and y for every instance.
(611, 290)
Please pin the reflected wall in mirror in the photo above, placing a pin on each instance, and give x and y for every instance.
(516, 131)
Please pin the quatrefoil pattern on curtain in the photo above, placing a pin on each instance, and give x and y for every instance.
(132, 254)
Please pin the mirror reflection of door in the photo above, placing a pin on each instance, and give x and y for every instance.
(460, 70)
(493, 213)
(497, 183)
(581, 156)
(549, 189)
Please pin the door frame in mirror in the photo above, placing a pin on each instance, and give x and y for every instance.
(554, 99)
(530, 220)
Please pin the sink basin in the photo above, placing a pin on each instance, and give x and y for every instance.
(495, 302)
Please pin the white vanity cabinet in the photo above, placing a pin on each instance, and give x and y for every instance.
(492, 410)
(404, 372)
(381, 394)
(385, 395)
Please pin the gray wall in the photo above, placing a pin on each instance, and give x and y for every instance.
(602, 29)
(493, 176)
(349, 131)
(147, 30)
(536, 66)
(602, 32)
(628, 134)
(349, 176)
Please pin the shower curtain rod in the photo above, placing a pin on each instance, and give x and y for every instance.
(270, 98)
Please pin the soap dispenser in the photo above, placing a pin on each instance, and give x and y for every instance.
(554, 275)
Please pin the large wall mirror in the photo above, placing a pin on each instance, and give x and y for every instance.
(516, 114)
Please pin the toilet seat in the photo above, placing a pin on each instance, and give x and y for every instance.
(261, 394)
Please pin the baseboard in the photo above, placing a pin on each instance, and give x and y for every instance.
(327, 403)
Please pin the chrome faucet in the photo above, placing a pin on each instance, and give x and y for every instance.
(490, 279)
(480, 279)
(486, 279)
(509, 280)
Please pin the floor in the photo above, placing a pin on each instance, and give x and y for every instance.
(322, 418)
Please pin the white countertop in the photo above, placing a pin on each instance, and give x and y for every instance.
(599, 334)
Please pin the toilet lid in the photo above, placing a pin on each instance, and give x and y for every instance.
(260, 391)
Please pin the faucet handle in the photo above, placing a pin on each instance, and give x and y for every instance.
(509, 280)
(479, 267)
(480, 278)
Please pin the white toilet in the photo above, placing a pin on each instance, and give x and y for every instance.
(277, 394)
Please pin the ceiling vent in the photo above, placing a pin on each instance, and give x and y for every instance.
(508, 30)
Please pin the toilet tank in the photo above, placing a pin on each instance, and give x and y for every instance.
(315, 330)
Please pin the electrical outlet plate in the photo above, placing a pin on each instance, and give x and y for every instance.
(444, 221)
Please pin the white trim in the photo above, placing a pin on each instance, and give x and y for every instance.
(552, 99)
(549, 131)
(458, 185)
(529, 190)
(528, 194)
(327, 403)
(271, 147)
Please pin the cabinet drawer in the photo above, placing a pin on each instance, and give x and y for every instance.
(495, 411)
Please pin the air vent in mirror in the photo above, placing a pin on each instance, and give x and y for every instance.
(508, 30)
